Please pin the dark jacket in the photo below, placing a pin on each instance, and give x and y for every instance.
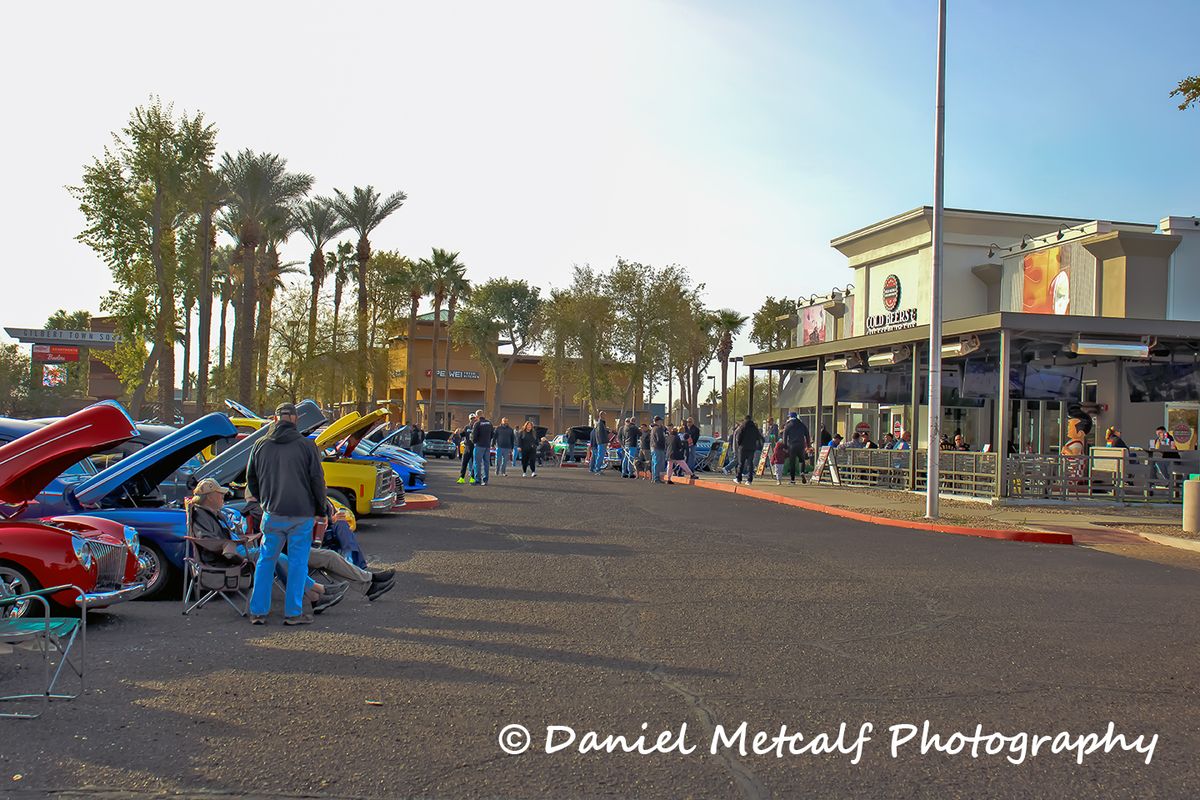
(481, 434)
(285, 473)
(506, 437)
(633, 435)
(600, 434)
(215, 547)
(527, 440)
(658, 437)
(677, 448)
(795, 433)
(644, 441)
(693, 433)
(749, 437)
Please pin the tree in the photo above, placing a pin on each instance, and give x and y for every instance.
(259, 187)
(579, 336)
(457, 288)
(319, 224)
(501, 309)
(14, 380)
(77, 374)
(208, 195)
(364, 210)
(223, 259)
(410, 283)
(438, 271)
(340, 264)
(771, 329)
(1189, 90)
(638, 293)
(728, 325)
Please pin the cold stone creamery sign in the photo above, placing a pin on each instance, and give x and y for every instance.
(896, 318)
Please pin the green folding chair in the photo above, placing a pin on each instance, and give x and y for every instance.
(53, 637)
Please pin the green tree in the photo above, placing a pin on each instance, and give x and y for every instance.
(260, 188)
(15, 378)
(208, 195)
(637, 292)
(728, 324)
(319, 224)
(438, 270)
(1189, 90)
(77, 374)
(501, 309)
(402, 281)
(364, 210)
(771, 329)
(458, 288)
(579, 338)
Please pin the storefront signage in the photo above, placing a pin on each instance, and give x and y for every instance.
(54, 353)
(892, 321)
(465, 374)
(46, 336)
(891, 293)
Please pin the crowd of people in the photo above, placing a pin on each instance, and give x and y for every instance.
(292, 530)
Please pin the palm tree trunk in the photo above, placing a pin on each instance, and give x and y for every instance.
(204, 334)
(433, 373)
(724, 394)
(243, 328)
(139, 394)
(410, 376)
(165, 322)
(221, 337)
(187, 349)
(316, 268)
(263, 335)
(364, 256)
(451, 307)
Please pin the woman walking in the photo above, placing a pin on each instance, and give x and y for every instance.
(677, 455)
(527, 442)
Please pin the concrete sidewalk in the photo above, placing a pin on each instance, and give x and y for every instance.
(1089, 525)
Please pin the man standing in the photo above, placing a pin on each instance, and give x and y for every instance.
(506, 439)
(749, 442)
(795, 435)
(658, 449)
(631, 438)
(481, 435)
(599, 444)
(691, 434)
(285, 475)
(468, 452)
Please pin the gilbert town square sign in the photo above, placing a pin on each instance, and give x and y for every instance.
(95, 339)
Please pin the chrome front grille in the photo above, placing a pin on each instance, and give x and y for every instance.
(385, 480)
(110, 564)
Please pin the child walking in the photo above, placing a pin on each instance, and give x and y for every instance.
(779, 455)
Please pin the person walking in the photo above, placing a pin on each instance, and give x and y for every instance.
(599, 444)
(527, 442)
(749, 442)
(691, 434)
(677, 454)
(481, 436)
(795, 434)
(779, 457)
(468, 452)
(285, 475)
(658, 449)
(631, 438)
(506, 439)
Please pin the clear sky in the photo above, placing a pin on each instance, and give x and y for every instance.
(735, 138)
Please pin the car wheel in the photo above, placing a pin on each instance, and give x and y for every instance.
(155, 570)
(340, 496)
(19, 582)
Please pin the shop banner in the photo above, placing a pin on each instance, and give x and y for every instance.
(54, 353)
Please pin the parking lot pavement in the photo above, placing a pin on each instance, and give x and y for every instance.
(599, 604)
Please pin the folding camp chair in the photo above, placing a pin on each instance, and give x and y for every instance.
(202, 582)
(47, 635)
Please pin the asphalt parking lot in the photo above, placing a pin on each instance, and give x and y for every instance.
(600, 604)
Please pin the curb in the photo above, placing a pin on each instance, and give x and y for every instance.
(1040, 537)
(418, 502)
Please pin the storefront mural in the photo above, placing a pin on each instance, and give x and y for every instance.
(813, 324)
(1046, 287)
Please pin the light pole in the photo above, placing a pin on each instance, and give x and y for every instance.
(735, 361)
(934, 438)
(712, 409)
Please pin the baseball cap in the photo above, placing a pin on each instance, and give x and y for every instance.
(792, 415)
(285, 409)
(208, 486)
(657, 418)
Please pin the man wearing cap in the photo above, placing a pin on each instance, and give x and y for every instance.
(795, 436)
(481, 438)
(285, 475)
(658, 448)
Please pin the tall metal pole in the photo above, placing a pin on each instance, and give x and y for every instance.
(934, 438)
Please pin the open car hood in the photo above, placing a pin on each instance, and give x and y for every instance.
(347, 426)
(30, 463)
(242, 410)
(230, 465)
(151, 465)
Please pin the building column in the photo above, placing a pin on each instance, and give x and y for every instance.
(816, 431)
(914, 420)
(1003, 423)
(750, 403)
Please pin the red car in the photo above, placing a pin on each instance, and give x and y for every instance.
(97, 555)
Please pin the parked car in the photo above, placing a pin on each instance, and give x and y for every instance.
(99, 556)
(583, 435)
(437, 444)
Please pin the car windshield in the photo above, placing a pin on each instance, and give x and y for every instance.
(438, 436)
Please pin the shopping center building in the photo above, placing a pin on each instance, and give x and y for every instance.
(1085, 318)
(525, 395)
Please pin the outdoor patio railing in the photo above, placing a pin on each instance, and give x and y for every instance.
(963, 473)
(876, 469)
(1107, 473)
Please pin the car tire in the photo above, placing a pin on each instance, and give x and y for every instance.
(20, 581)
(162, 574)
(340, 496)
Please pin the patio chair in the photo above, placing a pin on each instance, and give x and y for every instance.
(208, 574)
(51, 636)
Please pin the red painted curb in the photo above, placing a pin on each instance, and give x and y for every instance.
(418, 502)
(1041, 537)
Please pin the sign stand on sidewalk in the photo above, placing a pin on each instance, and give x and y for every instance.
(826, 458)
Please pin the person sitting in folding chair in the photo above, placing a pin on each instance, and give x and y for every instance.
(46, 635)
(218, 549)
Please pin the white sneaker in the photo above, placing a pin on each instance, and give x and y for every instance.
(534, 475)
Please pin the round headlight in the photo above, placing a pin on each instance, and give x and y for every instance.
(132, 541)
(82, 551)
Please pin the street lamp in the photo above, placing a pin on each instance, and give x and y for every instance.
(712, 409)
(735, 361)
(935, 278)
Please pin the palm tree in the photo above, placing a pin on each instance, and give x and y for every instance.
(728, 325)
(439, 266)
(416, 280)
(259, 185)
(280, 226)
(340, 264)
(457, 288)
(223, 264)
(363, 211)
(209, 194)
(319, 224)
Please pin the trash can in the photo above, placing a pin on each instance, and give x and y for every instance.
(1191, 506)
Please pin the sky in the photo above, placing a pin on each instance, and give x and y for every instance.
(734, 138)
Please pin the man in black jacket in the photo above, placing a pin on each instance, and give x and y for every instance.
(795, 436)
(468, 452)
(691, 432)
(285, 475)
(599, 444)
(631, 438)
(658, 449)
(481, 436)
(506, 441)
(749, 441)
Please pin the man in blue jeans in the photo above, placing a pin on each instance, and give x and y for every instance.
(482, 436)
(506, 440)
(599, 444)
(658, 449)
(285, 475)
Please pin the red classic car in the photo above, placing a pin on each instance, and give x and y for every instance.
(99, 556)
